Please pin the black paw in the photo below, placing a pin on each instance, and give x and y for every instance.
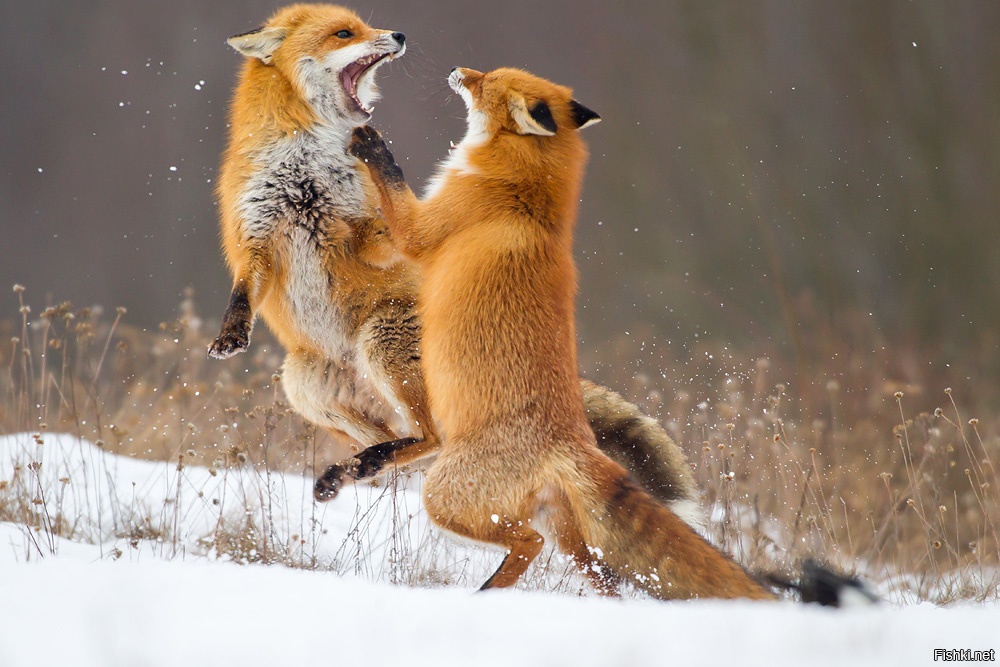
(230, 342)
(328, 486)
(366, 468)
(367, 144)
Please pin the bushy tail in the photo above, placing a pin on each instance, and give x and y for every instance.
(820, 584)
(626, 531)
(639, 444)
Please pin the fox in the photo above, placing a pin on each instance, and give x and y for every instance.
(310, 253)
(300, 231)
(520, 462)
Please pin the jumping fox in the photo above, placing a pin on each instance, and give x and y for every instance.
(493, 241)
(310, 252)
(300, 231)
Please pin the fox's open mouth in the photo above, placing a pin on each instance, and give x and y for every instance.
(350, 75)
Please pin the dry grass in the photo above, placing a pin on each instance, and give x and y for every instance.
(152, 394)
(894, 480)
(882, 477)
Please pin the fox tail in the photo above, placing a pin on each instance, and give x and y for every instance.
(820, 584)
(620, 532)
(639, 444)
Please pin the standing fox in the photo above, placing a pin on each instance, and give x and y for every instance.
(310, 252)
(493, 241)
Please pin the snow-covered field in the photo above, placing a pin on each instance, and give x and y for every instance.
(143, 581)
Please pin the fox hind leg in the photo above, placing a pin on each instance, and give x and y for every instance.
(371, 462)
(460, 499)
(326, 393)
(524, 545)
(389, 354)
(561, 523)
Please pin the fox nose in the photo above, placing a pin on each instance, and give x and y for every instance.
(399, 37)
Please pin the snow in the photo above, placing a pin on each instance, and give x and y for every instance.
(135, 510)
(96, 600)
(66, 611)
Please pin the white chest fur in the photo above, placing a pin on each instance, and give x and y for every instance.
(295, 203)
(457, 161)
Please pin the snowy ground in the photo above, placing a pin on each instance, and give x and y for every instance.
(142, 582)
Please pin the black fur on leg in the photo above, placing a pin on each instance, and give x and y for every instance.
(236, 325)
(373, 460)
(368, 463)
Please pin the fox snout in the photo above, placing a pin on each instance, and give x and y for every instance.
(394, 43)
(461, 78)
(455, 79)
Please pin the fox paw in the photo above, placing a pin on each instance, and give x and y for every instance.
(367, 145)
(328, 486)
(229, 343)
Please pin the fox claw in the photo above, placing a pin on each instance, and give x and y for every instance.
(228, 344)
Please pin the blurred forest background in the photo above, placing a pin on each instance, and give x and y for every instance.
(792, 179)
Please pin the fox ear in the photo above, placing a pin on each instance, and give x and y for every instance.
(582, 116)
(536, 120)
(259, 43)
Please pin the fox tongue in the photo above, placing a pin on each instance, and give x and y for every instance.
(349, 78)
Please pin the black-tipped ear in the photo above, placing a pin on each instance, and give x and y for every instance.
(543, 116)
(248, 33)
(582, 116)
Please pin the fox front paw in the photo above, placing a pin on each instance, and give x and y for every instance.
(328, 486)
(367, 145)
(229, 343)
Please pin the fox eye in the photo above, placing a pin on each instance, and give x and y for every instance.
(344, 34)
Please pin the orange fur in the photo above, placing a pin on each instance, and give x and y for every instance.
(494, 245)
